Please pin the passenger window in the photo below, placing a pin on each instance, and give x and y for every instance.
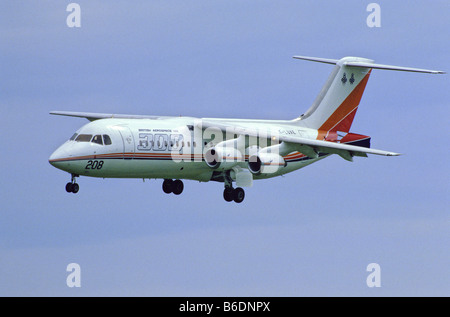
(106, 139)
(84, 138)
(73, 136)
(97, 139)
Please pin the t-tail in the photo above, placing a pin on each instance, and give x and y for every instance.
(335, 107)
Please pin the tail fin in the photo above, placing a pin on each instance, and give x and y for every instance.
(335, 107)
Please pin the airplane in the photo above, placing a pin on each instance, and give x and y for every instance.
(224, 150)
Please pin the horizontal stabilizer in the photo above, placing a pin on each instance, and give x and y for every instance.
(391, 67)
(365, 64)
(318, 59)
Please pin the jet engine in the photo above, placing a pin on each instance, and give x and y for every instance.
(265, 163)
(222, 158)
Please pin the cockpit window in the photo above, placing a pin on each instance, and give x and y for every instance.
(84, 138)
(106, 139)
(73, 136)
(97, 139)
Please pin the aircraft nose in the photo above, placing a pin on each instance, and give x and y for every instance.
(58, 156)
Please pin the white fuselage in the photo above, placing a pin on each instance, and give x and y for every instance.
(224, 150)
(164, 147)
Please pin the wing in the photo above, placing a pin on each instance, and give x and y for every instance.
(91, 116)
(306, 146)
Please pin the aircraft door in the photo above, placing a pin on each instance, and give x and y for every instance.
(128, 142)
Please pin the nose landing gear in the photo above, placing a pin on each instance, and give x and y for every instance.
(73, 187)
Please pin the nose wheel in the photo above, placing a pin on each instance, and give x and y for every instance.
(73, 187)
(172, 186)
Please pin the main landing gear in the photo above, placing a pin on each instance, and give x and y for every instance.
(73, 187)
(236, 194)
(172, 186)
(229, 193)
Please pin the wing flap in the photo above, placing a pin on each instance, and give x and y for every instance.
(336, 148)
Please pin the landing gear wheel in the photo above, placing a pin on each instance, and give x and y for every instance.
(228, 193)
(69, 187)
(238, 195)
(72, 188)
(75, 188)
(177, 187)
(167, 186)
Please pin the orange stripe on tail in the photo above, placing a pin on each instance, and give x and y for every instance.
(342, 117)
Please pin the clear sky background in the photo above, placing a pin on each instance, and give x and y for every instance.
(310, 233)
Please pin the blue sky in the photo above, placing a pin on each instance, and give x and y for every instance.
(310, 233)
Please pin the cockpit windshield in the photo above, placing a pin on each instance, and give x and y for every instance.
(98, 139)
(106, 139)
(84, 138)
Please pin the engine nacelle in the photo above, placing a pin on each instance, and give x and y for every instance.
(222, 158)
(265, 163)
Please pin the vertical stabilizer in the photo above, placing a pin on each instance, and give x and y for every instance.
(335, 107)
